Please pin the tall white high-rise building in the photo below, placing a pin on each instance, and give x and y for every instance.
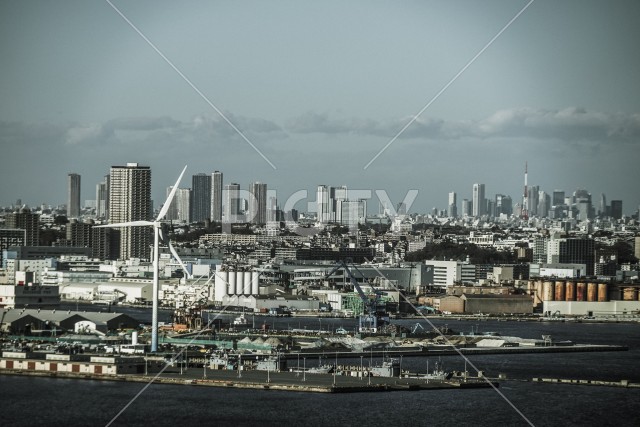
(353, 212)
(216, 196)
(258, 203)
(180, 209)
(322, 202)
(73, 204)
(130, 200)
(340, 194)
(479, 203)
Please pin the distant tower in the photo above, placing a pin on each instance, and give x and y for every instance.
(102, 198)
(216, 196)
(200, 197)
(231, 202)
(130, 200)
(258, 203)
(73, 205)
(524, 214)
(479, 203)
(452, 208)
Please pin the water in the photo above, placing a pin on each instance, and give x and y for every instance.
(28, 401)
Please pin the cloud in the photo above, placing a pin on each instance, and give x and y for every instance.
(572, 124)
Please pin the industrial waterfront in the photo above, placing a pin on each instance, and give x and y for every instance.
(67, 401)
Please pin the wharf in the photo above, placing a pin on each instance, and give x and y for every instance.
(282, 381)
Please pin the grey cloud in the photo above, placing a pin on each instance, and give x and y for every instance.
(573, 124)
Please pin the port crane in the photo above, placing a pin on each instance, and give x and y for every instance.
(372, 318)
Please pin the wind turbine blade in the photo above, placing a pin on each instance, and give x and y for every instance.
(125, 224)
(167, 203)
(175, 255)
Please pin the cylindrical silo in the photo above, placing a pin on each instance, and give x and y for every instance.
(220, 284)
(559, 291)
(239, 282)
(547, 291)
(581, 291)
(592, 292)
(247, 283)
(232, 282)
(255, 282)
(570, 291)
(603, 292)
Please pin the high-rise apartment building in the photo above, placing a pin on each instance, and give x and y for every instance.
(232, 202)
(73, 199)
(479, 203)
(340, 194)
(102, 198)
(130, 200)
(25, 220)
(200, 197)
(258, 203)
(353, 212)
(216, 196)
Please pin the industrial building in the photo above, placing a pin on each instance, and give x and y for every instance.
(32, 321)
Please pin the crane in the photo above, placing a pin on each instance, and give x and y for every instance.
(372, 318)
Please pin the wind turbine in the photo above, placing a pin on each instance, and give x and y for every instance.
(157, 226)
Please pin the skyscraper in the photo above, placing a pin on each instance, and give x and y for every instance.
(200, 197)
(479, 203)
(558, 197)
(466, 207)
(130, 200)
(322, 203)
(102, 198)
(231, 202)
(258, 203)
(452, 207)
(616, 209)
(340, 194)
(216, 196)
(73, 203)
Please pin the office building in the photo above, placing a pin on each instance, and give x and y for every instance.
(616, 209)
(466, 207)
(216, 196)
(558, 197)
(73, 199)
(130, 200)
(200, 197)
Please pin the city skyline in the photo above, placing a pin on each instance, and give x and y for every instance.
(320, 97)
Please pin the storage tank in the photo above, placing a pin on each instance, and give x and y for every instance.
(239, 282)
(547, 291)
(247, 283)
(603, 292)
(559, 295)
(255, 283)
(570, 291)
(581, 291)
(592, 292)
(629, 294)
(220, 284)
(232, 282)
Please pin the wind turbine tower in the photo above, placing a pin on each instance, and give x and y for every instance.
(157, 235)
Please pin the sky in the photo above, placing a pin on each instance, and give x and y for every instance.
(318, 89)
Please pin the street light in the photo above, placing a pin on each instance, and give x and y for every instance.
(304, 370)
